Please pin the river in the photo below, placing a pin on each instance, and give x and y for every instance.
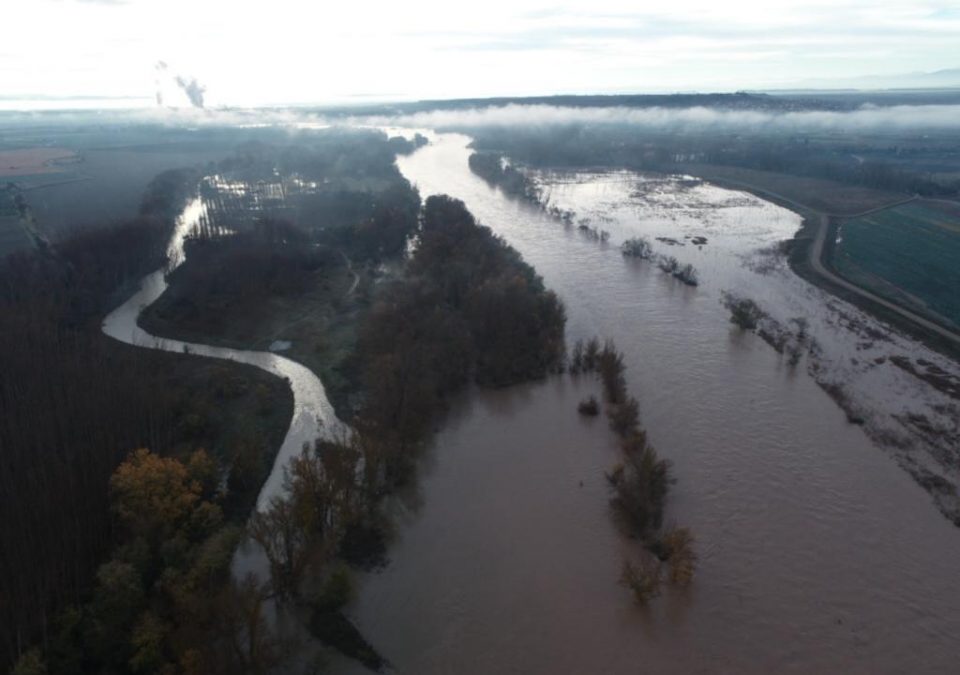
(817, 552)
(313, 415)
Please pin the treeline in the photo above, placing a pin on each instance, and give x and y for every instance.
(274, 258)
(467, 309)
(73, 402)
(886, 166)
(340, 154)
(640, 483)
(407, 146)
(491, 167)
(640, 247)
(382, 228)
(351, 194)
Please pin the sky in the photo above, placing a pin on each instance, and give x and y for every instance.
(261, 52)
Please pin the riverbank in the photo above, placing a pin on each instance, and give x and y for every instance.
(465, 309)
(850, 354)
(769, 495)
(822, 206)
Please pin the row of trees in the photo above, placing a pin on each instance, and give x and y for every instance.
(406, 146)
(466, 309)
(640, 247)
(640, 483)
(886, 166)
(792, 339)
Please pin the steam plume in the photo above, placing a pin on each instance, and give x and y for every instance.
(191, 87)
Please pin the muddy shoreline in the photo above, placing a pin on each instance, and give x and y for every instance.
(799, 261)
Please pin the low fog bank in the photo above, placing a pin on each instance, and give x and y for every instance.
(689, 119)
(678, 119)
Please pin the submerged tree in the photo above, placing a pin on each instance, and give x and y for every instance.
(637, 247)
(642, 578)
(280, 532)
(639, 485)
(677, 543)
(744, 312)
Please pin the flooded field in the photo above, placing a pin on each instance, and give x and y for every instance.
(906, 396)
(818, 552)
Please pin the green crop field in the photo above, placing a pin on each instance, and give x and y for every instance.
(909, 254)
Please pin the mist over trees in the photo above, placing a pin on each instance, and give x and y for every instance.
(492, 167)
(876, 158)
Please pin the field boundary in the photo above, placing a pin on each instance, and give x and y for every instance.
(807, 261)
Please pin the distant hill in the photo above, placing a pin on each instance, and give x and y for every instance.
(940, 79)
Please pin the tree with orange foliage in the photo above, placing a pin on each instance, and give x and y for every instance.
(153, 495)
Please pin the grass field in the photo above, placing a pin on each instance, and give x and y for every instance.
(909, 254)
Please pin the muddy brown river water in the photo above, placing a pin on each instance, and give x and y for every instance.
(817, 552)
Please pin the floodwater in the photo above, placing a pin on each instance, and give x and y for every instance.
(817, 552)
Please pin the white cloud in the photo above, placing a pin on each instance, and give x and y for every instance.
(292, 50)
